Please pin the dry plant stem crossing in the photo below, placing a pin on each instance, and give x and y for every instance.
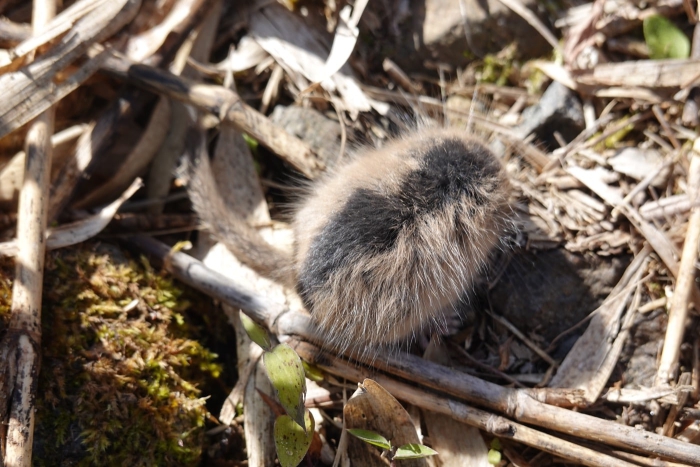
(496, 425)
(678, 310)
(23, 338)
(225, 104)
(524, 406)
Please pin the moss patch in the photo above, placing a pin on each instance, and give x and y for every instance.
(120, 371)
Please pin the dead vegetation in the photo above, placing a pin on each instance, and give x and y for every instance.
(581, 347)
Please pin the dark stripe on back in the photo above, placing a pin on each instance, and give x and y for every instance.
(370, 222)
(449, 171)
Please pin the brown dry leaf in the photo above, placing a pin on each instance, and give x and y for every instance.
(137, 160)
(373, 408)
(144, 45)
(248, 54)
(638, 163)
(344, 40)
(457, 444)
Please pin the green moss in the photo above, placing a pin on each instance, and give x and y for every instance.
(497, 69)
(119, 377)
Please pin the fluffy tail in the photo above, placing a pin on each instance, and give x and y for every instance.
(225, 225)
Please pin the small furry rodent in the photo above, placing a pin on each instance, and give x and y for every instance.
(384, 243)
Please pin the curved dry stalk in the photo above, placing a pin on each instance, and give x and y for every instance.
(79, 231)
(225, 104)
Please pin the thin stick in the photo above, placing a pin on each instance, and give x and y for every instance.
(25, 318)
(678, 310)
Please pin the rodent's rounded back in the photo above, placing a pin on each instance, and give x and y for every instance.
(391, 239)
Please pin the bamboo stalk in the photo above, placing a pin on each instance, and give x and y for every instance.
(25, 317)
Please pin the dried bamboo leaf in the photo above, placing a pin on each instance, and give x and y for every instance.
(590, 362)
(138, 159)
(31, 90)
(79, 231)
(58, 25)
(147, 43)
(294, 46)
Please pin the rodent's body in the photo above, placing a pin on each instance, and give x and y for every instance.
(390, 240)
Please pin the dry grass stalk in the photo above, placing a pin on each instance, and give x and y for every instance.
(180, 117)
(54, 28)
(685, 280)
(534, 21)
(21, 346)
(658, 239)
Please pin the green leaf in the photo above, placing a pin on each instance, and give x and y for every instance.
(291, 441)
(286, 374)
(413, 451)
(375, 439)
(494, 457)
(251, 142)
(313, 372)
(257, 333)
(664, 39)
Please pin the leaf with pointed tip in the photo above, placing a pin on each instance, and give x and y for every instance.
(291, 441)
(313, 372)
(286, 374)
(375, 439)
(413, 451)
(257, 333)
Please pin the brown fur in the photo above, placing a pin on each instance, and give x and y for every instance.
(387, 297)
